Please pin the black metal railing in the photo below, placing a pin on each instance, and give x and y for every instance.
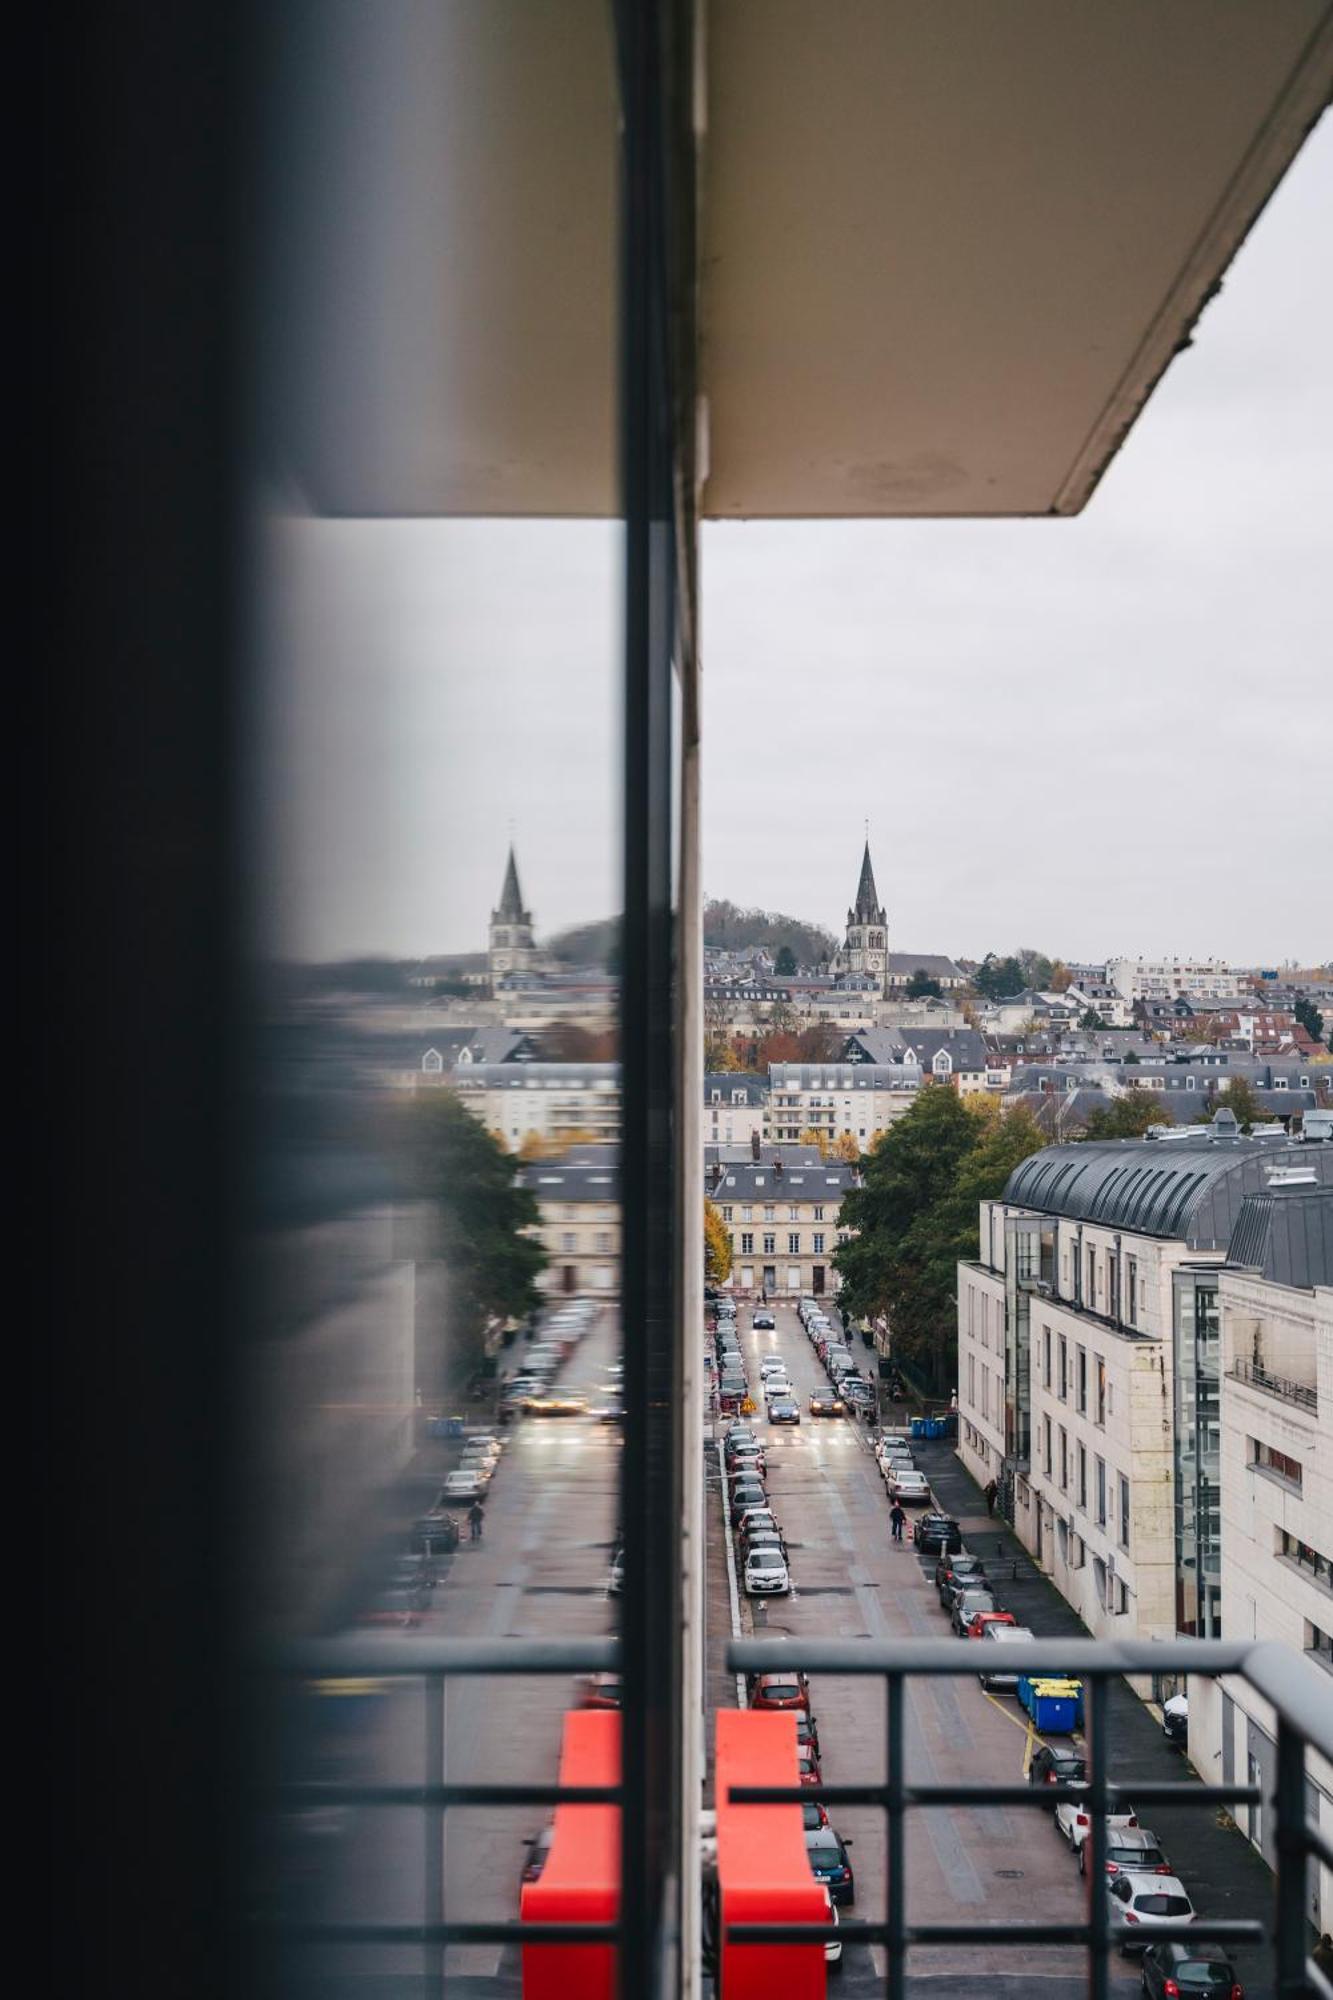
(434, 1662)
(1304, 1718)
(1260, 1377)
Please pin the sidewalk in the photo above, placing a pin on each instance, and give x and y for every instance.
(1224, 1875)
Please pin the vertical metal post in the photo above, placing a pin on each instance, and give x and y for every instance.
(651, 1486)
(1099, 1913)
(895, 1972)
(432, 1839)
(1290, 1900)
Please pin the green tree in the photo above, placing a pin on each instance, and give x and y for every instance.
(1310, 1019)
(1090, 1018)
(481, 1219)
(1128, 1117)
(915, 1216)
(996, 978)
(921, 984)
(717, 1245)
(1036, 967)
(784, 965)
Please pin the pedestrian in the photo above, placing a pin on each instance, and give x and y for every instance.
(476, 1514)
(899, 1520)
(991, 1492)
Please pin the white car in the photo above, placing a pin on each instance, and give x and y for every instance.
(468, 1483)
(481, 1451)
(772, 1364)
(908, 1487)
(766, 1573)
(1143, 1903)
(1073, 1820)
(777, 1387)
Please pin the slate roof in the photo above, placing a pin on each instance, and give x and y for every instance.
(867, 908)
(1286, 1234)
(1185, 1189)
(844, 1076)
(824, 1180)
(511, 908)
(931, 963)
(580, 1176)
(889, 1045)
(537, 1075)
(729, 1081)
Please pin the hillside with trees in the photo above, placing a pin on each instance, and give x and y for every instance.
(731, 928)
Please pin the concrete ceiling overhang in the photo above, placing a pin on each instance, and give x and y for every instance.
(945, 251)
(948, 250)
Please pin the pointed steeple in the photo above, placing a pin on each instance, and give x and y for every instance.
(867, 909)
(511, 901)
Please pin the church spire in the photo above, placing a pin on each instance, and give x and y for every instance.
(867, 907)
(511, 901)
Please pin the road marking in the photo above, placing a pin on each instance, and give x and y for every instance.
(1024, 1723)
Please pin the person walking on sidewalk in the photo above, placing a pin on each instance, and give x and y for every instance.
(991, 1491)
(476, 1514)
(898, 1519)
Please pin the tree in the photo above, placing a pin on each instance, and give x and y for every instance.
(1036, 968)
(915, 1216)
(1240, 1098)
(717, 1245)
(784, 965)
(813, 1137)
(719, 1050)
(480, 1220)
(820, 1042)
(1061, 977)
(921, 984)
(1310, 1019)
(1090, 1018)
(1128, 1117)
(845, 1147)
(996, 978)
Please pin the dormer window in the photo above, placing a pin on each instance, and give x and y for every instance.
(432, 1062)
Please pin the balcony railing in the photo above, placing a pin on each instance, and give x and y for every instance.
(1304, 1718)
(1281, 1386)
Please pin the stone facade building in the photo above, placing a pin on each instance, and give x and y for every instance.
(579, 1198)
(784, 1221)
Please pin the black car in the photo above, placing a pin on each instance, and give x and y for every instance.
(1171, 1970)
(435, 1533)
(1056, 1767)
(937, 1532)
(830, 1863)
(966, 1605)
(952, 1568)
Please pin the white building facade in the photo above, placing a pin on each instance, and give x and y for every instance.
(1172, 979)
(1276, 1497)
(838, 1100)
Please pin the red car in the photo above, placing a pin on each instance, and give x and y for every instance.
(985, 1618)
(600, 1691)
(789, 1690)
(808, 1765)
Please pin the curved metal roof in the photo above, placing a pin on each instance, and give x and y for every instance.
(1191, 1190)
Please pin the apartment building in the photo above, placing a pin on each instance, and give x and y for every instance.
(553, 1102)
(1275, 1300)
(784, 1222)
(1171, 979)
(1088, 1359)
(579, 1198)
(735, 1107)
(838, 1100)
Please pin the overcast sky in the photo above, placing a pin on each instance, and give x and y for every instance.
(1112, 734)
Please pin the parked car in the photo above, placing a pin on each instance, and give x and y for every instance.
(966, 1606)
(765, 1538)
(1130, 1849)
(1189, 1972)
(807, 1732)
(1073, 1821)
(954, 1568)
(830, 1862)
(995, 1676)
(982, 1621)
(784, 1410)
(1176, 1720)
(832, 1946)
(1056, 1767)
(1141, 1904)
(464, 1485)
(746, 1493)
(909, 1488)
(539, 1848)
(826, 1406)
(436, 1532)
(807, 1765)
(599, 1691)
(766, 1573)
(939, 1532)
(780, 1691)
(755, 1521)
